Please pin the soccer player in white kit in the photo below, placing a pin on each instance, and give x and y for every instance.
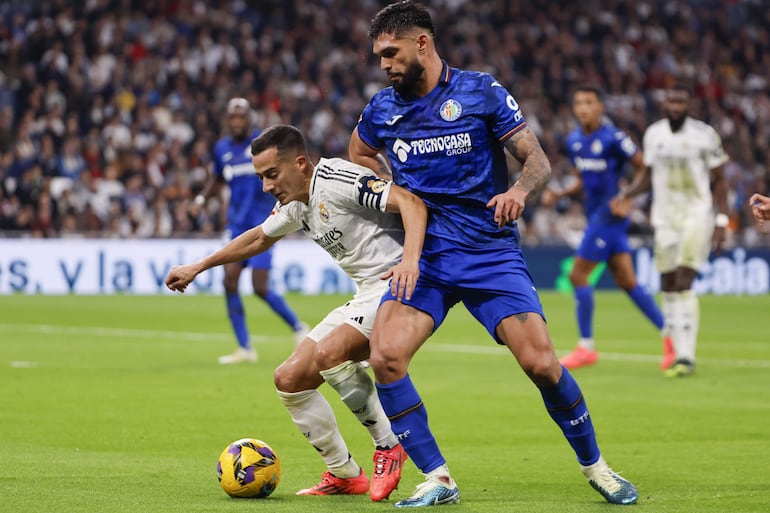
(684, 161)
(353, 215)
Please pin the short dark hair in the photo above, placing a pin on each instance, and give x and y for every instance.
(590, 88)
(401, 16)
(681, 86)
(282, 137)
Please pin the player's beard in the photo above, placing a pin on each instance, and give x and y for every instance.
(409, 79)
(676, 122)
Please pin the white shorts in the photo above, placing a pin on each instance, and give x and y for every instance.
(685, 246)
(359, 312)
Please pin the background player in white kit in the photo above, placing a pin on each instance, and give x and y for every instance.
(684, 161)
(353, 215)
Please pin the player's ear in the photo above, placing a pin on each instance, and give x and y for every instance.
(301, 160)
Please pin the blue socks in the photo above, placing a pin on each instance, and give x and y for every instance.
(409, 422)
(584, 299)
(280, 307)
(647, 305)
(566, 406)
(238, 319)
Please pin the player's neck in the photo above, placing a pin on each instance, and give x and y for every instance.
(591, 127)
(676, 124)
(432, 76)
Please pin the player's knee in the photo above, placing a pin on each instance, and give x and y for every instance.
(230, 285)
(387, 367)
(329, 355)
(542, 369)
(261, 291)
(283, 378)
(577, 279)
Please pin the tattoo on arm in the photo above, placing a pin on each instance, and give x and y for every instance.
(522, 317)
(535, 170)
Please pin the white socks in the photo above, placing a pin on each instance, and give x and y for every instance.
(681, 311)
(357, 391)
(315, 419)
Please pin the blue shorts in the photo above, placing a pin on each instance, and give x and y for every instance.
(262, 261)
(492, 283)
(601, 241)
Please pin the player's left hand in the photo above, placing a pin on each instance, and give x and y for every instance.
(403, 279)
(508, 205)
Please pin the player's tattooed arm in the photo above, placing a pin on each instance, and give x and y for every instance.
(535, 170)
(535, 173)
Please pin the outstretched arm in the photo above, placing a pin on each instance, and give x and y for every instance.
(414, 215)
(244, 246)
(535, 173)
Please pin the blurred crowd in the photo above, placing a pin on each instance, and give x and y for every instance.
(109, 109)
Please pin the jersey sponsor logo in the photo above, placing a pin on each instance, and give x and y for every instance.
(323, 213)
(328, 238)
(596, 147)
(229, 172)
(453, 144)
(395, 119)
(450, 110)
(589, 164)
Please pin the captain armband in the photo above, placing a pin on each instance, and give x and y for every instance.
(373, 192)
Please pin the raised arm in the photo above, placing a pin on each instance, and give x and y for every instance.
(246, 245)
(535, 173)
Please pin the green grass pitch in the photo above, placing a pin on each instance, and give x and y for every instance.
(117, 404)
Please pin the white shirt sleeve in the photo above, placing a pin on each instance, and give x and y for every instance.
(282, 221)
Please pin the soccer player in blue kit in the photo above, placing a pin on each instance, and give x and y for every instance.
(444, 131)
(247, 208)
(599, 151)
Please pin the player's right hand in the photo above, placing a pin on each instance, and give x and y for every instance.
(403, 279)
(760, 207)
(180, 277)
(621, 206)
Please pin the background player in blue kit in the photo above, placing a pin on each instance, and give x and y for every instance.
(445, 132)
(599, 152)
(247, 208)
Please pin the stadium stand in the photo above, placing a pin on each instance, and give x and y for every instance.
(109, 109)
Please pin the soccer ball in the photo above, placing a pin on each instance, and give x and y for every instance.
(248, 468)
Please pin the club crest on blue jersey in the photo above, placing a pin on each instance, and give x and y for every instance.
(323, 213)
(450, 110)
(596, 147)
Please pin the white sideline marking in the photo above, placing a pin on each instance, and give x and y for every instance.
(618, 357)
(491, 349)
(49, 329)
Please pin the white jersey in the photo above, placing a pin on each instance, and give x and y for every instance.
(346, 216)
(681, 164)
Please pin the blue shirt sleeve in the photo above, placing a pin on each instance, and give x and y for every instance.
(507, 118)
(366, 129)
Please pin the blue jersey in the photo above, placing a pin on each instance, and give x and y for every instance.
(249, 205)
(600, 157)
(446, 147)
